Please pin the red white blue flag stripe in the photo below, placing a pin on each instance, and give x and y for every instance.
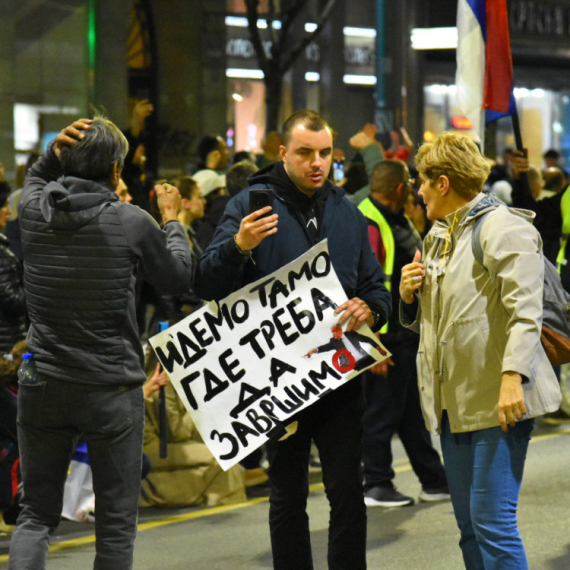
(484, 76)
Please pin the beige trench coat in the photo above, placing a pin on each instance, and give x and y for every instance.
(477, 323)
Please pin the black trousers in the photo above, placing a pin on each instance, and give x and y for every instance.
(393, 406)
(335, 425)
(51, 417)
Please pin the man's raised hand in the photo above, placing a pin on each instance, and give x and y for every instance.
(70, 135)
(254, 228)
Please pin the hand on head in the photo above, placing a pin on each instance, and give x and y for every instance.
(71, 134)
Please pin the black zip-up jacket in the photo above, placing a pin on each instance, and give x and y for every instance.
(223, 269)
(82, 249)
(12, 302)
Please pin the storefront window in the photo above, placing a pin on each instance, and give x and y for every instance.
(45, 72)
(246, 99)
(544, 118)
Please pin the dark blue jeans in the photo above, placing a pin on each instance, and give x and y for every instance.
(393, 406)
(484, 472)
(51, 417)
(337, 432)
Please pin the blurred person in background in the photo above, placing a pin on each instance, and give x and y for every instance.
(214, 154)
(372, 152)
(123, 193)
(237, 175)
(134, 170)
(270, 148)
(189, 474)
(393, 402)
(548, 219)
(213, 187)
(10, 477)
(12, 301)
(12, 229)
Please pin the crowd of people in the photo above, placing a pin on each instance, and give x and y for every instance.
(97, 257)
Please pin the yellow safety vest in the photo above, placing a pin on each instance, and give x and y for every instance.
(565, 212)
(372, 213)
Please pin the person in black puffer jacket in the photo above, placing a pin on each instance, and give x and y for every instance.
(12, 302)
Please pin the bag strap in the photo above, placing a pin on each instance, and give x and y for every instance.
(476, 239)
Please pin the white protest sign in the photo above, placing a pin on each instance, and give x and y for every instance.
(272, 349)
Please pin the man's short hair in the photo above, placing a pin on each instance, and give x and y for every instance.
(387, 175)
(93, 156)
(186, 186)
(207, 145)
(551, 153)
(237, 175)
(554, 179)
(456, 157)
(309, 119)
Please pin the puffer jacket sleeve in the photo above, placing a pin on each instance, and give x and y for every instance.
(512, 255)
(220, 271)
(164, 257)
(46, 169)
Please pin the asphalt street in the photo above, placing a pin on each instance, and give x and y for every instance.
(420, 537)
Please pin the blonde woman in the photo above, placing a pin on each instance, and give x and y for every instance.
(482, 372)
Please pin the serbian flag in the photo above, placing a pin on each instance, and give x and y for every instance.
(484, 77)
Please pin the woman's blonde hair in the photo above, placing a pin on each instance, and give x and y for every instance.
(456, 157)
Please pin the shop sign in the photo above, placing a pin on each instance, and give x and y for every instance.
(359, 53)
(539, 18)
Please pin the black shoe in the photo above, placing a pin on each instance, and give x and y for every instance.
(556, 418)
(386, 496)
(435, 494)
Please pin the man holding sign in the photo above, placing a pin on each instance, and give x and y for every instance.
(250, 245)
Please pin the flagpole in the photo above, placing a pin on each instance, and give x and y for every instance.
(525, 182)
(517, 132)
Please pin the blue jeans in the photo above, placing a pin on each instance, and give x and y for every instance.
(484, 472)
(51, 417)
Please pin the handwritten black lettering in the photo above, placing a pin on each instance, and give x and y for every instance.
(321, 302)
(242, 431)
(260, 290)
(185, 383)
(228, 367)
(278, 368)
(305, 272)
(261, 423)
(237, 315)
(173, 356)
(300, 316)
(247, 396)
(282, 328)
(251, 339)
(268, 331)
(187, 343)
(214, 385)
(198, 332)
(235, 445)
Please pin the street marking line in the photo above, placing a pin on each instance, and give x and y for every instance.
(85, 540)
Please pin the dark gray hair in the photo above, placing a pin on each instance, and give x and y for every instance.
(93, 157)
(237, 175)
